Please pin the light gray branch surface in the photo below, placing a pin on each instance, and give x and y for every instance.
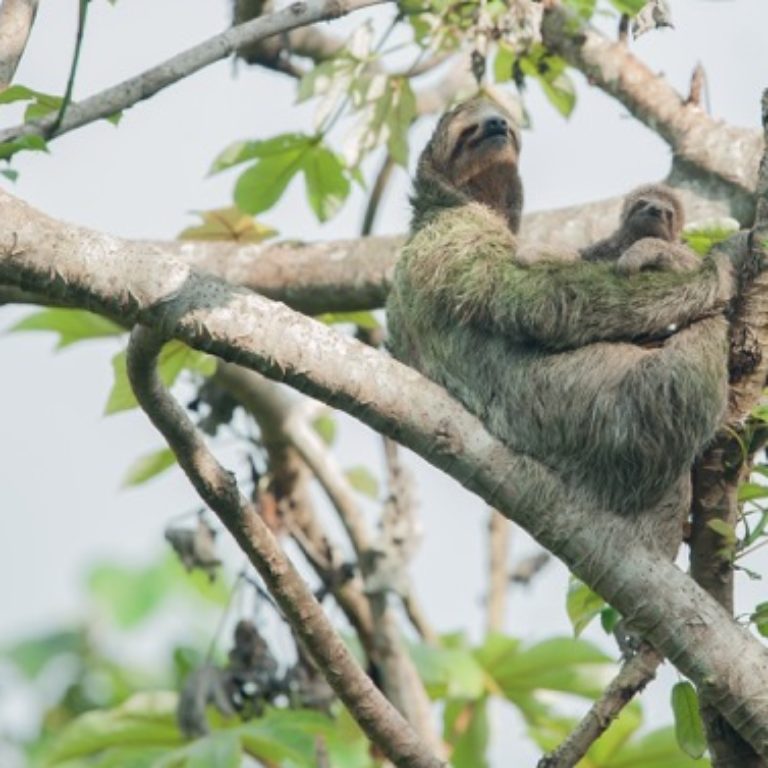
(660, 602)
(16, 19)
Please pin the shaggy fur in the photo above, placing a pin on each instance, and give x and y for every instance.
(546, 354)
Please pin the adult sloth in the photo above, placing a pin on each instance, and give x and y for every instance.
(545, 352)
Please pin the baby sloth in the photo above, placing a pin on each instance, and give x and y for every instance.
(648, 236)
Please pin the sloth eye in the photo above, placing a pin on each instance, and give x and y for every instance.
(463, 138)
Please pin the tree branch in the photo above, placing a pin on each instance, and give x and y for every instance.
(499, 530)
(703, 144)
(16, 20)
(373, 617)
(603, 549)
(634, 675)
(341, 275)
(148, 83)
(381, 722)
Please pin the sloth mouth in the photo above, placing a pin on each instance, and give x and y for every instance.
(492, 133)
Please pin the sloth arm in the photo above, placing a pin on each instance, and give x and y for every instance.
(561, 306)
(570, 305)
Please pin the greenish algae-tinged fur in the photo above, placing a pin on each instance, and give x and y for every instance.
(547, 355)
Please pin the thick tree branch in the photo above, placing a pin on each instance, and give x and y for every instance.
(381, 722)
(603, 549)
(16, 19)
(283, 425)
(148, 83)
(705, 145)
(342, 275)
(725, 464)
(274, 411)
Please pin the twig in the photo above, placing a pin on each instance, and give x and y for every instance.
(374, 199)
(65, 102)
(631, 679)
(371, 615)
(16, 20)
(218, 489)
(499, 530)
(119, 97)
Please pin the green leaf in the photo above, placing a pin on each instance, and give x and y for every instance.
(33, 654)
(702, 236)
(689, 729)
(146, 719)
(72, 325)
(400, 116)
(228, 224)
(466, 731)
(584, 8)
(9, 174)
(219, 750)
(630, 7)
(724, 529)
(563, 664)
(609, 618)
(128, 595)
(32, 143)
(244, 151)
(752, 491)
(289, 738)
(503, 63)
(449, 672)
(561, 93)
(327, 186)
(363, 481)
(325, 426)
(365, 320)
(148, 466)
(259, 187)
(174, 357)
(759, 618)
(582, 605)
(17, 93)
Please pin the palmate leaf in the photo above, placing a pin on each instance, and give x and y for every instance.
(278, 161)
(72, 325)
(227, 224)
(564, 664)
(147, 719)
(388, 109)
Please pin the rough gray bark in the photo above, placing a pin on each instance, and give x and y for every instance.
(663, 604)
(16, 19)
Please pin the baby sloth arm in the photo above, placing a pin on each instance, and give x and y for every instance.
(461, 266)
(655, 253)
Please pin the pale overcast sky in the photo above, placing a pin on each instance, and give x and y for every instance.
(61, 462)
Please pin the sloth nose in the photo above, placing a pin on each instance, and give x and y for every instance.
(495, 126)
(654, 210)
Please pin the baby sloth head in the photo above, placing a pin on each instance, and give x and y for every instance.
(652, 211)
(474, 152)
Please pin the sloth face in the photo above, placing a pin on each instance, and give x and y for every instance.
(474, 138)
(652, 212)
